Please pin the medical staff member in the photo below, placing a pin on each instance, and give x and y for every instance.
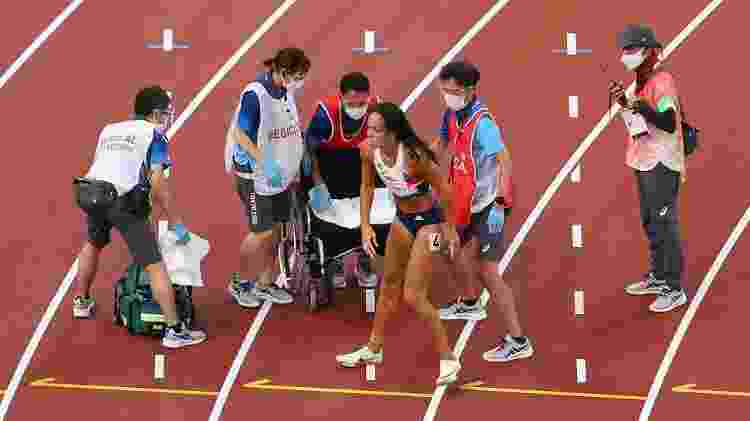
(129, 163)
(337, 128)
(658, 160)
(264, 152)
(480, 175)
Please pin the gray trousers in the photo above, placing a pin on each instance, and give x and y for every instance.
(658, 190)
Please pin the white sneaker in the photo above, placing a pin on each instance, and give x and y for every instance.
(83, 307)
(448, 372)
(360, 357)
(185, 337)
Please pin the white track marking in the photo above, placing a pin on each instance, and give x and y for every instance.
(453, 52)
(68, 280)
(560, 177)
(239, 359)
(15, 381)
(224, 70)
(437, 396)
(35, 46)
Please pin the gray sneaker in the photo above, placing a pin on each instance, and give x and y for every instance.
(243, 294)
(668, 300)
(459, 310)
(648, 285)
(273, 294)
(509, 350)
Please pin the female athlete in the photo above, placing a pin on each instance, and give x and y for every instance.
(409, 170)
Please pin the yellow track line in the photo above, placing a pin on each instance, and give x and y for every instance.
(474, 387)
(690, 388)
(263, 384)
(50, 382)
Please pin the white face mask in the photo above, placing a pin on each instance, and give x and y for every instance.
(632, 61)
(355, 112)
(455, 102)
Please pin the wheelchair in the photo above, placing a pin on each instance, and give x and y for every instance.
(313, 252)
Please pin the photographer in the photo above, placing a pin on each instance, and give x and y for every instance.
(655, 152)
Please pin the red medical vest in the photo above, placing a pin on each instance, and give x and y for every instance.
(463, 169)
(333, 106)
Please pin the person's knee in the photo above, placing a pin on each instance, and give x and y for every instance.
(414, 297)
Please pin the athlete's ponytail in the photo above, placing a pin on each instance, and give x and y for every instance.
(397, 122)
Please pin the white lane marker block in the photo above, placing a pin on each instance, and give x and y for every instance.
(369, 42)
(159, 368)
(370, 300)
(573, 106)
(167, 40)
(570, 43)
(162, 228)
(578, 302)
(581, 370)
(577, 234)
(575, 176)
(370, 372)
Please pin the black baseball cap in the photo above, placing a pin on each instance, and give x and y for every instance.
(637, 35)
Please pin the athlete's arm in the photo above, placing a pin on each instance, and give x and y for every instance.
(159, 161)
(429, 171)
(366, 195)
(248, 122)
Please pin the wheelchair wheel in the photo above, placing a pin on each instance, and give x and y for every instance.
(291, 251)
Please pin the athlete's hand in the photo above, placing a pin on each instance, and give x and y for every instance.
(369, 240)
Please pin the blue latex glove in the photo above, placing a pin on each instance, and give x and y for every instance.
(307, 165)
(496, 219)
(183, 235)
(272, 171)
(320, 198)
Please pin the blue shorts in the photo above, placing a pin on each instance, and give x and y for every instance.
(415, 221)
(490, 243)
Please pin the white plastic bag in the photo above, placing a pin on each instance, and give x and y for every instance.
(183, 262)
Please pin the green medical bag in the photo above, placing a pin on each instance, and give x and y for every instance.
(137, 310)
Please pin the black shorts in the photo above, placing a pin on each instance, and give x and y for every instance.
(133, 225)
(490, 243)
(263, 212)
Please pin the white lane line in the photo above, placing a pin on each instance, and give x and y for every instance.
(453, 52)
(437, 395)
(227, 67)
(679, 334)
(68, 280)
(566, 169)
(35, 46)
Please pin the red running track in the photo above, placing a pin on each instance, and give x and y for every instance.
(522, 80)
